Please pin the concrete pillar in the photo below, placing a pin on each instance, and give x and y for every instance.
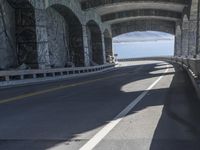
(42, 38)
(192, 38)
(103, 48)
(86, 46)
(185, 36)
(193, 29)
(178, 51)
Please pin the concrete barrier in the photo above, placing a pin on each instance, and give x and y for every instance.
(18, 77)
(192, 67)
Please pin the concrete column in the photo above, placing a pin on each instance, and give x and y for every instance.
(185, 36)
(86, 46)
(192, 38)
(193, 29)
(42, 39)
(103, 48)
(178, 51)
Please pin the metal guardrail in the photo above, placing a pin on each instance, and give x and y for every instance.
(25, 76)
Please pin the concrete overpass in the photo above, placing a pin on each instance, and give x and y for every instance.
(57, 34)
(79, 99)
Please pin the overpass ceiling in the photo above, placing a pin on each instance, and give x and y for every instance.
(120, 10)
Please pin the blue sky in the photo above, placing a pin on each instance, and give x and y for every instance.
(143, 44)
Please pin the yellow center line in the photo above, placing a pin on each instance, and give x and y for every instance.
(3, 101)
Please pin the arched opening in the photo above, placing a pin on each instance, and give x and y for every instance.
(144, 44)
(19, 34)
(108, 46)
(65, 37)
(95, 43)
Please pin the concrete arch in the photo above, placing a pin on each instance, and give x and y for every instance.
(19, 36)
(90, 15)
(73, 5)
(108, 46)
(129, 15)
(95, 43)
(144, 25)
(65, 37)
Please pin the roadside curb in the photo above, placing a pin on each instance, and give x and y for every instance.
(192, 77)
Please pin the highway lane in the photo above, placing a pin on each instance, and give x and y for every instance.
(68, 114)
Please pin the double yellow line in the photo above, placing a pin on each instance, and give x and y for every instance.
(3, 101)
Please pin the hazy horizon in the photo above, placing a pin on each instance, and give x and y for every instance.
(143, 44)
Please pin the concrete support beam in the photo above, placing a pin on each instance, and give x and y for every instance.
(86, 46)
(185, 36)
(192, 38)
(178, 50)
(42, 39)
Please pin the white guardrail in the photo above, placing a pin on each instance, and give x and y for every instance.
(16, 77)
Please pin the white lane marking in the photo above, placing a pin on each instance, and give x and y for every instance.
(92, 143)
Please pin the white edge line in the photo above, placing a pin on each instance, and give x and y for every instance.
(92, 143)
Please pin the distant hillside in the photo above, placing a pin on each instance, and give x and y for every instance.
(143, 36)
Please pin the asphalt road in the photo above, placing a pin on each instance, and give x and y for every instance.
(149, 105)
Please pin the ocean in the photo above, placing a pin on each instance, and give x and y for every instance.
(144, 49)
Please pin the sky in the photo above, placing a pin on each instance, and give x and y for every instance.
(143, 44)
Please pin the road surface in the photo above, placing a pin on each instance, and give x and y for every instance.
(142, 105)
